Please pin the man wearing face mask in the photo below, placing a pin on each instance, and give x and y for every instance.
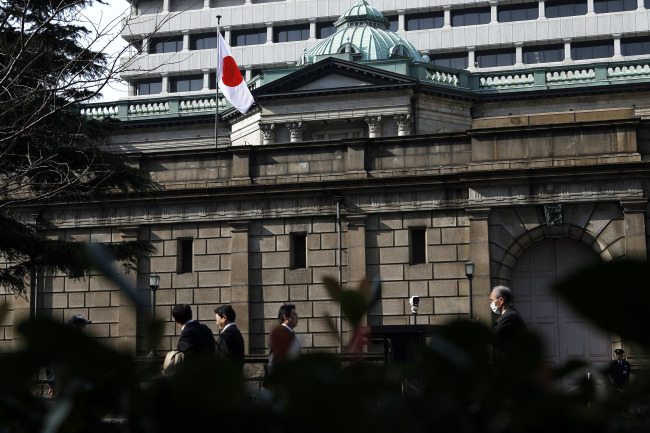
(509, 324)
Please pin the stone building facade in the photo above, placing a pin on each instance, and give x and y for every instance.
(528, 176)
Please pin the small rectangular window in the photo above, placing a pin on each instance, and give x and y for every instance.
(646, 4)
(170, 44)
(493, 58)
(191, 83)
(635, 46)
(393, 22)
(592, 50)
(519, 12)
(291, 33)
(563, 8)
(203, 41)
(185, 255)
(323, 30)
(248, 37)
(418, 242)
(543, 54)
(298, 250)
(453, 60)
(434, 20)
(149, 87)
(608, 6)
(471, 17)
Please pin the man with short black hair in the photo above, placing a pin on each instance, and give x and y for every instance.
(230, 343)
(619, 371)
(283, 343)
(195, 337)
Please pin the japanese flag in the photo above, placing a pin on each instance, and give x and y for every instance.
(230, 81)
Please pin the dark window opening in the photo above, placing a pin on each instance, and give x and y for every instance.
(493, 58)
(608, 6)
(563, 8)
(471, 17)
(323, 30)
(291, 33)
(186, 84)
(185, 255)
(435, 20)
(418, 246)
(298, 250)
(248, 37)
(169, 44)
(635, 46)
(543, 54)
(204, 41)
(519, 12)
(454, 60)
(393, 22)
(592, 50)
(148, 87)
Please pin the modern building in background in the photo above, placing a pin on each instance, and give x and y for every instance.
(176, 38)
(515, 136)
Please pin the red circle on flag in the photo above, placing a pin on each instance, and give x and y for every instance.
(231, 75)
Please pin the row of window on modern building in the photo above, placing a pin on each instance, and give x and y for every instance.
(412, 22)
(525, 55)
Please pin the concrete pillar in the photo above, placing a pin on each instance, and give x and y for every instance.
(128, 313)
(239, 270)
(165, 7)
(590, 7)
(401, 20)
(447, 15)
(165, 83)
(269, 32)
(227, 35)
(479, 253)
(519, 55)
(312, 29)
(206, 4)
(635, 239)
(206, 80)
(617, 47)
(494, 15)
(471, 59)
(542, 9)
(186, 40)
(567, 50)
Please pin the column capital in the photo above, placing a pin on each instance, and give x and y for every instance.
(240, 226)
(635, 205)
(267, 130)
(478, 213)
(404, 122)
(296, 130)
(129, 232)
(356, 220)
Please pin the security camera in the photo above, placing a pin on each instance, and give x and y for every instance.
(415, 304)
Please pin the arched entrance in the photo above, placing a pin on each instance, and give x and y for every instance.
(566, 335)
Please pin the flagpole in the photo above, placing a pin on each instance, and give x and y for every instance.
(216, 98)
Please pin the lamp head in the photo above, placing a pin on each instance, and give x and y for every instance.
(154, 281)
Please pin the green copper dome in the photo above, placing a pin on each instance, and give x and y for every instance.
(362, 31)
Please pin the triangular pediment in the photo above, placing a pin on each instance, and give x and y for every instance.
(333, 75)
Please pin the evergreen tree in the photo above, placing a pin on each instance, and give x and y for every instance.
(49, 151)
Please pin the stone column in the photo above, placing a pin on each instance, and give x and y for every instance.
(447, 16)
(186, 40)
(356, 254)
(640, 4)
(519, 54)
(471, 59)
(296, 129)
(165, 83)
(239, 270)
(145, 45)
(494, 16)
(617, 47)
(312, 29)
(269, 32)
(165, 8)
(479, 253)
(267, 130)
(404, 123)
(206, 80)
(374, 126)
(635, 240)
(590, 7)
(206, 4)
(567, 50)
(127, 311)
(542, 9)
(401, 20)
(227, 35)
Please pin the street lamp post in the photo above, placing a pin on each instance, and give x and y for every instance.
(154, 283)
(469, 273)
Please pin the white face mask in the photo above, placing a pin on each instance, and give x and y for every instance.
(495, 309)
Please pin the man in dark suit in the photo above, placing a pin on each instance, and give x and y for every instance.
(230, 343)
(195, 337)
(509, 324)
(283, 344)
(619, 370)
